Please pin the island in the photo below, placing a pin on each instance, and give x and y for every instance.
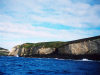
(4, 52)
(77, 49)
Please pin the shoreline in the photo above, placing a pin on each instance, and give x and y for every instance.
(64, 57)
(74, 57)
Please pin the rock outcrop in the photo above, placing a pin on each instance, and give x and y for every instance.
(90, 46)
(87, 46)
(21, 51)
(30, 49)
(3, 52)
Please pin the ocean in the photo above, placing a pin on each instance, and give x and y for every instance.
(47, 66)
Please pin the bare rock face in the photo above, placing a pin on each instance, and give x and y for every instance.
(21, 51)
(15, 51)
(46, 50)
(81, 48)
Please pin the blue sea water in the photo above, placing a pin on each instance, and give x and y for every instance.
(47, 66)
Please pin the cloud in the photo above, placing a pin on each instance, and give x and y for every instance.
(10, 44)
(21, 33)
(19, 20)
(65, 12)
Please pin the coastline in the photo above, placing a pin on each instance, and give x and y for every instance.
(73, 57)
(88, 48)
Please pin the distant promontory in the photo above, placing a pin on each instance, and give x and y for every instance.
(3, 52)
(77, 49)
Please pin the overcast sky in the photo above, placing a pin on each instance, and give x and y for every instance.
(24, 21)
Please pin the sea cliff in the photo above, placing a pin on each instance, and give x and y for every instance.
(77, 49)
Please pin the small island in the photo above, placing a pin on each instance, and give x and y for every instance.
(78, 49)
(3, 52)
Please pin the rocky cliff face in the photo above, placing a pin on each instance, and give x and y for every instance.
(3, 52)
(21, 51)
(87, 46)
(82, 47)
(30, 49)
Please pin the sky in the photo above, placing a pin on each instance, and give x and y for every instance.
(31, 21)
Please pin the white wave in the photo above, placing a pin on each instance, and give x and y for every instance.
(84, 59)
(17, 55)
(59, 59)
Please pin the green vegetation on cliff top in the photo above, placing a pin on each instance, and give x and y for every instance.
(56, 44)
(44, 44)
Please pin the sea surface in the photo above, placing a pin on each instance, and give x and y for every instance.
(47, 66)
